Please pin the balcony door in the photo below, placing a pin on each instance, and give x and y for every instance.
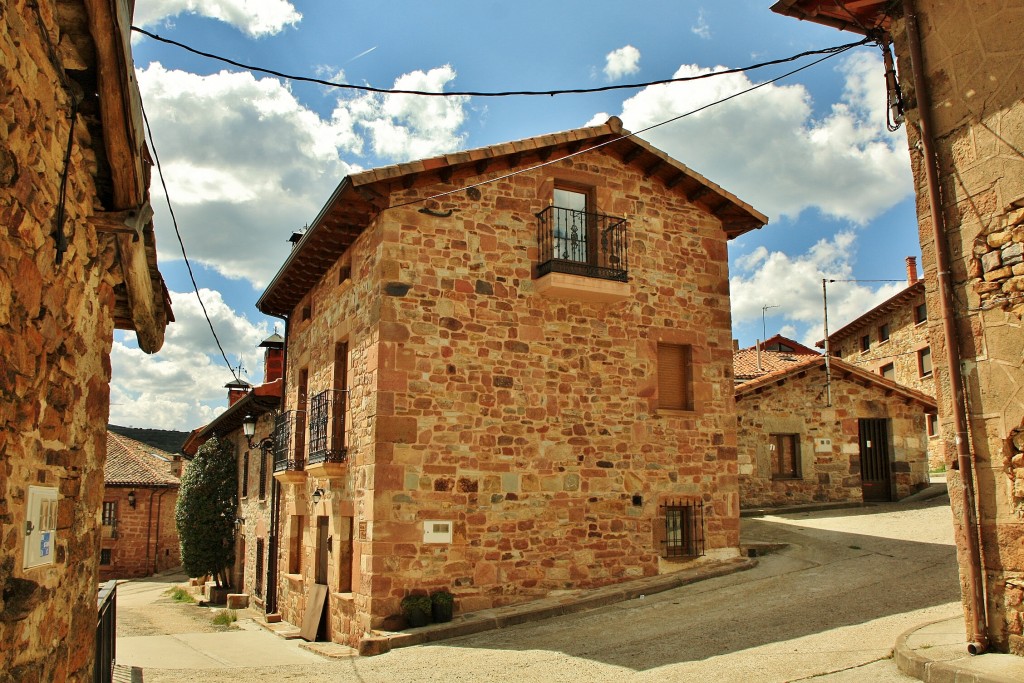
(570, 236)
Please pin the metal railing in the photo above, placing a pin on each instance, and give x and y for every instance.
(290, 441)
(106, 631)
(581, 243)
(327, 427)
(684, 528)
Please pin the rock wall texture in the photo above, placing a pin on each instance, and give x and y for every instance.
(831, 473)
(530, 424)
(55, 332)
(972, 55)
(253, 509)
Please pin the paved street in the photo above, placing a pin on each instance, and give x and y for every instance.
(829, 605)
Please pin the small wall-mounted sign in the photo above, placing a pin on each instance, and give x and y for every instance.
(437, 531)
(40, 526)
(822, 445)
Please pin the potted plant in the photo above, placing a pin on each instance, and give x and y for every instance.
(442, 604)
(416, 610)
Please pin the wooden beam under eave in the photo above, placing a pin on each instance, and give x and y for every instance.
(698, 193)
(120, 102)
(675, 180)
(131, 222)
(653, 168)
(631, 155)
(148, 319)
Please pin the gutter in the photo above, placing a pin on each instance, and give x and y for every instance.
(965, 461)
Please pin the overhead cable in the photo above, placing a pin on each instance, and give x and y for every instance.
(507, 93)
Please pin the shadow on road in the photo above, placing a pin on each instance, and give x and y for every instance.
(821, 581)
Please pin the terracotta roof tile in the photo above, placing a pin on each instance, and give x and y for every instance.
(132, 463)
(745, 366)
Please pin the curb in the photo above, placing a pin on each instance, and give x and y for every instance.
(983, 668)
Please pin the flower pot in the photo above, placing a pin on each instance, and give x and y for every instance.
(442, 612)
(416, 618)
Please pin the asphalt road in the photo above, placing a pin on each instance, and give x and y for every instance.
(828, 606)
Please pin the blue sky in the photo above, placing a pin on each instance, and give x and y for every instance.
(250, 158)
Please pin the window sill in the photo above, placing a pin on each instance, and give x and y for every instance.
(780, 478)
(926, 375)
(566, 286)
(295, 578)
(677, 412)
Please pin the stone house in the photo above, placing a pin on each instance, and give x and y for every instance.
(963, 103)
(892, 340)
(773, 354)
(508, 373)
(810, 434)
(139, 536)
(77, 261)
(252, 574)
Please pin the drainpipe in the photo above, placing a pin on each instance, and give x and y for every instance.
(270, 597)
(965, 460)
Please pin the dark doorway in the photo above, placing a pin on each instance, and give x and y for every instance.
(874, 460)
(322, 549)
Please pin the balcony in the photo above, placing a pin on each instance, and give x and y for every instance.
(328, 456)
(582, 255)
(290, 447)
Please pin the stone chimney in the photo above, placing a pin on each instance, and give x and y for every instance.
(237, 388)
(273, 358)
(911, 270)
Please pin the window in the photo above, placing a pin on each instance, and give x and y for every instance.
(263, 473)
(109, 513)
(883, 333)
(295, 544)
(932, 422)
(924, 362)
(105, 556)
(865, 343)
(920, 313)
(684, 528)
(245, 475)
(675, 377)
(888, 371)
(258, 584)
(785, 453)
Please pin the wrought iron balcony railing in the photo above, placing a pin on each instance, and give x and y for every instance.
(581, 243)
(290, 441)
(327, 427)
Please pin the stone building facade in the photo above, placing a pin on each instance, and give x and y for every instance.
(964, 107)
(138, 534)
(811, 435)
(74, 265)
(506, 390)
(892, 340)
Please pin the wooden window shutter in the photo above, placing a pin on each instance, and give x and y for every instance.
(675, 382)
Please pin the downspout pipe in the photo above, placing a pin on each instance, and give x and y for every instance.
(965, 461)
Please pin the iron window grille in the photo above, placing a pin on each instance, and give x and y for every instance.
(581, 243)
(258, 585)
(684, 528)
(109, 513)
(290, 441)
(327, 427)
(245, 475)
(263, 473)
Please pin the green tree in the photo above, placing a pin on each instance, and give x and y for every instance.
(205, 512)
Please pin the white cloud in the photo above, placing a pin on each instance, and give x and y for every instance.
(405, 127)
(182, 387)
(794, 283)
(700, 28)
(621, 62)
(766, 147)
(245, 163)
(254, 17)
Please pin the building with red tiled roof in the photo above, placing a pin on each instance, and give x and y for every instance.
(824, 430)
(773, 354)
(139, 534)
(504, 363)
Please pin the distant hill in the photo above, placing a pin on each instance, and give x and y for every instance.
(166, 440)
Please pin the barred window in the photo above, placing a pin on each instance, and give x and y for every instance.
(785, 452)
(109, 512)
(684, 528)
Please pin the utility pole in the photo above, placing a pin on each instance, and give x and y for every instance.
(828, 351)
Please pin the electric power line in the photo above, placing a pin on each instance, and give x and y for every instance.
(506, 93)
(174, 221)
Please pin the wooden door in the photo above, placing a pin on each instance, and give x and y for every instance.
(876, 480)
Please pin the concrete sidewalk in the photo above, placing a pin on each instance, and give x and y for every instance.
(937, 653)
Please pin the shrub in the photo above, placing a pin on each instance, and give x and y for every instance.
(225, 617)
(205, 512)
(416, 609)
(179, 594)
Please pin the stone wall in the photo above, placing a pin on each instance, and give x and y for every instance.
(146, 538)
(971, 55)
(55, 331)
(828, 473)
(530, 424)
(254, 510)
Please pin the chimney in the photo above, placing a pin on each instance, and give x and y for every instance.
(237, 388)
(273, 358)
(735, 344)
(911, 270)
